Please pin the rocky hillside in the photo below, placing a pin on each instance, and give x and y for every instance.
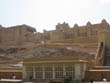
(48, 50)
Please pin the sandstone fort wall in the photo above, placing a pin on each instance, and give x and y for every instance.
(62, 34)
(79, 40)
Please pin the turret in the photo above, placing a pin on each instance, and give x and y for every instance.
(88, 24)
(76, 30)
(104, 21)
(75, 25)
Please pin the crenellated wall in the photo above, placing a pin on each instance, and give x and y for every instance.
(63, 32)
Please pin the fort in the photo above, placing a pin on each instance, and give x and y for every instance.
(15, 34)
(25, 33)
(77, 52)
(65, 32)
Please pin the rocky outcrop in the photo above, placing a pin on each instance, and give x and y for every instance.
(50, 52)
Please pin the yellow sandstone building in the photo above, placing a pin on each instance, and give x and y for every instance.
(25, 33)
(55, 68)
(93, 39)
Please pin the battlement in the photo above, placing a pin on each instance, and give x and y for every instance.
(25, 33)
(65, 32)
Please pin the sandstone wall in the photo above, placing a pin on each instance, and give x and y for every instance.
(25, 33)
(22, 33)
(63, 31)
(79, 40)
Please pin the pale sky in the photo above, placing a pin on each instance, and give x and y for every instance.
(45, 14)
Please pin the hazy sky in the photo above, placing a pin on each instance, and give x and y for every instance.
(45, 14)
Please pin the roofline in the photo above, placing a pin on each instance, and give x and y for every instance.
(11, 70)
(57, 61)
(102, 66)
(99, 70)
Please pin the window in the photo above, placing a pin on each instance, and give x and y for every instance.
(39, 72)
(70, 71)
(59, 71)
(48, 71)
(30, 75)
(29, 71)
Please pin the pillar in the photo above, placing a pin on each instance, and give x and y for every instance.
(77, 72)
(24, 73)
(43, 72)
(64, 70)
(84, 69)
(53, 72)
(34, 73)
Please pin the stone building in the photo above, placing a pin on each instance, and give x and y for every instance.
(77, 67)
(21, 33)
(54, 68)
(65, 32)
(25, 33)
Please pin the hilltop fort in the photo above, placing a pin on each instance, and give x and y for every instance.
(78, 51)
(24, 34)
